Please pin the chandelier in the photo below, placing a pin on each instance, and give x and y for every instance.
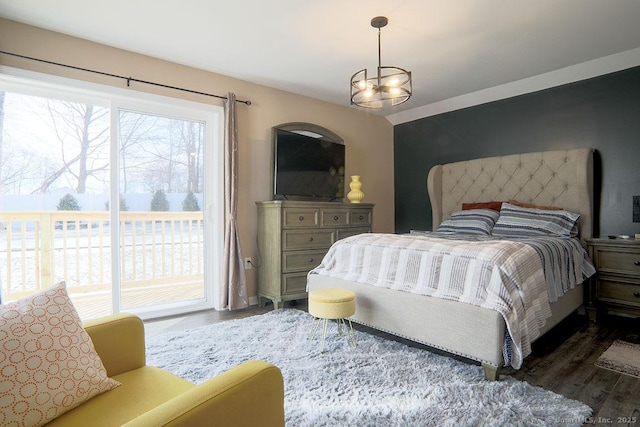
(390, 84)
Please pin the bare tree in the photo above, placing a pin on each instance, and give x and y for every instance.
(160, 170)
(17, 164)
(171, 157)
(83, 133)
(18, 169)
(193, 140)
(134, 130)
(148, 150)
(178, 158)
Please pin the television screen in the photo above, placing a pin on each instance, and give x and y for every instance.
(307, 166)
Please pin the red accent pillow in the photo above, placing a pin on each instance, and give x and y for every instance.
(494, 206)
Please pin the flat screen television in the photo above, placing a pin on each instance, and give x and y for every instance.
(307, 168)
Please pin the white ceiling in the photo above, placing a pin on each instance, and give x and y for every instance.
(452, 47)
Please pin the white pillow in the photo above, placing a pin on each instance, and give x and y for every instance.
(48, 364)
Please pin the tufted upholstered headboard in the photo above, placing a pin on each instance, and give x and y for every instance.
(561, 178)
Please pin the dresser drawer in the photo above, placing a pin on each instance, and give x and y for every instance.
(307, 239)
(301, 218)
(294, 283)
(335, 218)
(618, 261)
(618, 292)
(360, 217)
(301, 260)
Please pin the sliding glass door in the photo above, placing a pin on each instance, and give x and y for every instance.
(120, 197)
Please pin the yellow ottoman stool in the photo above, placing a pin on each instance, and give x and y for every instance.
(333, 303)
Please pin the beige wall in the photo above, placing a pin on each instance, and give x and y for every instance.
(368, 138)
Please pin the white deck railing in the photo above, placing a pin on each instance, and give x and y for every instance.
(39, 249)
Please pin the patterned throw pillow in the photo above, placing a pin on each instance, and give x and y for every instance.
(473, 221)
(516, 221)
(48, 364)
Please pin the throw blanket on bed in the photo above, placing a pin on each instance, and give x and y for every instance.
(501, 275)
(565, 263)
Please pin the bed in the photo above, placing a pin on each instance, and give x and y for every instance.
(553, 178)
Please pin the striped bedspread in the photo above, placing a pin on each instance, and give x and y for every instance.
(565, 263)
(503, 275)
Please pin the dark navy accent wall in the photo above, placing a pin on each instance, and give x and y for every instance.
(602, 113)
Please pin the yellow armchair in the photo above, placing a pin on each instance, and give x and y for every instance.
(251, 394)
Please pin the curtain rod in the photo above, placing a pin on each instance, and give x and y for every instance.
(128, 79)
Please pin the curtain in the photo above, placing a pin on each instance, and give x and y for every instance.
(233, 291)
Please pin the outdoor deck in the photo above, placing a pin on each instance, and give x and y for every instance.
(160, 257)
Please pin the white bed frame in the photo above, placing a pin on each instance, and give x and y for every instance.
(558, 178)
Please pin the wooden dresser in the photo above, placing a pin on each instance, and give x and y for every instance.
(294, 236)
(616, 285)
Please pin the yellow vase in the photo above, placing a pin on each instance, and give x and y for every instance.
(355, 195)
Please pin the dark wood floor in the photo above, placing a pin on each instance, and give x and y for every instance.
(562, 361)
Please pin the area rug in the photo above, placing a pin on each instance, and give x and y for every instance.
(622, 357)
(379, 383)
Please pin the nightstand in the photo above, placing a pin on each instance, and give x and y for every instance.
(616, 285)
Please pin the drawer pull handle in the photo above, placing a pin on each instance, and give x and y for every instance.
(636, 294)
(311, 239)
(637, 263)
(310, 260)
(300, 218)
(335, 218)
(361, 217)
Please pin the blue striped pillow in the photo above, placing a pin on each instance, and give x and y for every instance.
(517, 221)
(473, 221)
